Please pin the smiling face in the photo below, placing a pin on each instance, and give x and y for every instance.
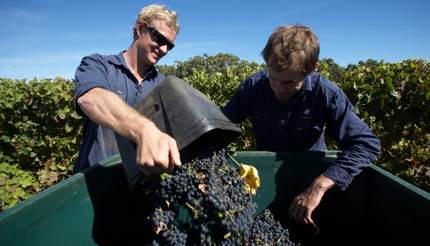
(284, 83)
(151, 47)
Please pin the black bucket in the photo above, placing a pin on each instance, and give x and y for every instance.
(184, 113)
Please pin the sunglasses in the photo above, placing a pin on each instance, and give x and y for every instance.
(160, 39)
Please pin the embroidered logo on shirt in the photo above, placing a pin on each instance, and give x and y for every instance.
(307, 114)
(281, 122)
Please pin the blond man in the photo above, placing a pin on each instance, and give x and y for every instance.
(106, 86)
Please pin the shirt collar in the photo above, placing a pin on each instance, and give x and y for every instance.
(119, 60)
(307, 83)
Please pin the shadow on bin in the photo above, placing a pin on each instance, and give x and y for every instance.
(120, 213)
(339, 214)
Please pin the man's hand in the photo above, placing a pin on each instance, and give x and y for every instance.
(156, 151)
(305, 203)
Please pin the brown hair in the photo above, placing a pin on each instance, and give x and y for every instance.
(156, 12)
(292, 47)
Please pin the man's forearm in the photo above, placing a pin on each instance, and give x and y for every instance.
(155, 151)
(109, 110)
(304, 204)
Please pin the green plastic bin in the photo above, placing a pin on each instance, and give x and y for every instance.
(97, 205)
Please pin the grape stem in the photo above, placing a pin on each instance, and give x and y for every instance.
(237, 164)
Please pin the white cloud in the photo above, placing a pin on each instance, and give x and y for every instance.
(16, 19)
(43, 59)
(41, 66)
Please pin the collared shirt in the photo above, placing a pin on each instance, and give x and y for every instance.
(113, 74)
(299, 125)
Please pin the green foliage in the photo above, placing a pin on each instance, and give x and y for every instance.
(331, 70)
(40, 132)
(394, 99)
(39, 129)
(217, 76)
(16, 185)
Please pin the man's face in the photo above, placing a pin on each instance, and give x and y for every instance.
(154, 42)
(285, 83)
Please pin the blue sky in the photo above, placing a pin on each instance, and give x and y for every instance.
(48, 38)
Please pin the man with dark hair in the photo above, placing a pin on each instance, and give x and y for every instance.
(291, 106)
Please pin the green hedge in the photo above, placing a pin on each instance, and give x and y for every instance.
(394, 99)
(39, 136)
(40, 132)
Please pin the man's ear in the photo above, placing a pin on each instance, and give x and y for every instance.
(138, 32)
(316, 68)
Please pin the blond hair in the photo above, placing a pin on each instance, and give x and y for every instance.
(293, 48)
(156, 12)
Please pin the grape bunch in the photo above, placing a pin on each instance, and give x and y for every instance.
(267, 231)
(204, 203)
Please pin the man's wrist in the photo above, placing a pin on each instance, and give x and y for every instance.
(322, 183)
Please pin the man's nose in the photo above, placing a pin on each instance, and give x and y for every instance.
(163, 48)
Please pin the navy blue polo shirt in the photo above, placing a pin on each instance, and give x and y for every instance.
(299, 125)
(110, 73)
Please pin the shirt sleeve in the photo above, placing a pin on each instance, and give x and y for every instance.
(359, 146)
(91, 73)
(237, 109)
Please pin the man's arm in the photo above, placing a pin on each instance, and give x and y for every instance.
(305, 203)
(156, 151)
(359, 148)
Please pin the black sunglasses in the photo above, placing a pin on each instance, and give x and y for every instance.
(160, 39)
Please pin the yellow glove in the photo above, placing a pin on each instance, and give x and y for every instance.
(252, 180)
